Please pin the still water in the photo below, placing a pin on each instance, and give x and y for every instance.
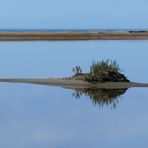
(43, 116)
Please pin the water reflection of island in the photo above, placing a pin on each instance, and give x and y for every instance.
(100, 97)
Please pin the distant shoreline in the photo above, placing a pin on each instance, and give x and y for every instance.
(73, 35)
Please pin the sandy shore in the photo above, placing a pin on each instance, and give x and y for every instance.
(75, 83)
(74, 35)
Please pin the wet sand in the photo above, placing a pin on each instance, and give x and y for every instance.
(74, 35)
(59, 82)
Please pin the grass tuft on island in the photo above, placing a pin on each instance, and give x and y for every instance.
(102, 71)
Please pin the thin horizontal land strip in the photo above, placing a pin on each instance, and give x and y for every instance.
(96, 35)
(75, 83)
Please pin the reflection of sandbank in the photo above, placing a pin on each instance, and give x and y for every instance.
(75, 83)
(101, 94)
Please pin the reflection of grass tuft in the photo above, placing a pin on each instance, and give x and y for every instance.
(101, 97)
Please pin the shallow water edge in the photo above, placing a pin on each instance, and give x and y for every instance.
(74, 83)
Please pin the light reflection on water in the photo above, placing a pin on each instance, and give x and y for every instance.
(100, 97)
(43, 116)
(35, 116)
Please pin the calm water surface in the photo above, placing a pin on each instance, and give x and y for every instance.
(42, 116)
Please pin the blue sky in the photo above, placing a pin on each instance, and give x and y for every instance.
(73, 14)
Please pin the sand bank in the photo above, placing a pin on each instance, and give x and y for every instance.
(75, 83)
(74, 35)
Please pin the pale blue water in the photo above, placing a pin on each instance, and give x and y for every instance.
(43, 116)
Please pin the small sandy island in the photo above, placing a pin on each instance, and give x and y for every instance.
(103, 84)
(103, 74)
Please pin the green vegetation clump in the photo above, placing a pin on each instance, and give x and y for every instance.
(105, 71)
(104, 66)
